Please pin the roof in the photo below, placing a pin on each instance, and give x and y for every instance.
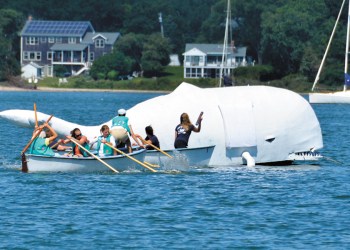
(110, 37)
(214, 49)
(56, 28)
(33, 64)
(65, 46)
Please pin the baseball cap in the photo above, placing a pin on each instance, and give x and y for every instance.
(121, 112)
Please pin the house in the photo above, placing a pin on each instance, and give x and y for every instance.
(71, 44)
(205, 60)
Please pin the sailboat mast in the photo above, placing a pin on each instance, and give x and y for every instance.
(329, 44)
(224, 49)
(347, 42)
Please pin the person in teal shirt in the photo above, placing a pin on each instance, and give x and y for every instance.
(121, 129)
(40, 146)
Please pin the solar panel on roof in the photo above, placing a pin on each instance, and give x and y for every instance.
(58, 27)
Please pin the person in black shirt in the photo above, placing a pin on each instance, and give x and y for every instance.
(150, 138)
(184, 129)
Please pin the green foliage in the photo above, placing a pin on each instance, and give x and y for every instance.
(291, 36)
(10, 21)
(287, 30)
(59, 70)
(147, 53)
(132, 45)
(258, 72)
(112, 75)
(295, 82)
(110, 66)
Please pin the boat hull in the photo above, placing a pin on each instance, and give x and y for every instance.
(186, 157)
(39, 163)
(329, 98)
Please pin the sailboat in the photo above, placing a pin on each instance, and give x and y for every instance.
(339, 96)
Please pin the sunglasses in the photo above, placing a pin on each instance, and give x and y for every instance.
(76, 136)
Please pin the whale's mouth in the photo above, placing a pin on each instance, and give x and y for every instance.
(305, 156)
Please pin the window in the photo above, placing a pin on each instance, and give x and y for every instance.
(195, 60)
(32, 40)
(92, 55)
(51, 39)
(59, 40)
(49, 55)
(25, 56)
(43, 39)
(38, 56)
(32, 55)
(72, 40)
(99, 43)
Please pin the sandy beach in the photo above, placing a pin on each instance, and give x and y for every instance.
(8, 88)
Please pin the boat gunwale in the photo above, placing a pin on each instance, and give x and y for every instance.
(182, 149)
(119, 156)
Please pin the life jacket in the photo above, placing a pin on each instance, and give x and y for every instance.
(39, 147)
(106, 149)
(78, 150)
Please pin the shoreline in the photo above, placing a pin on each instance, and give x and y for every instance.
(48, 89)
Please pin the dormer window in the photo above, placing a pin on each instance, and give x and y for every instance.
(100, 43)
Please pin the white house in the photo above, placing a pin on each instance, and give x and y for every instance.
(204, 60)
(31, 71)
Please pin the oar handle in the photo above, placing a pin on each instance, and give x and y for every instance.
(96, 157)
(132, 158)
(36, 115)
(35, 136)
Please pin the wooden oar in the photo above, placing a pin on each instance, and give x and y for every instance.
(35, 136)
(95, 156)
(155, 147)
(56, 144)
(36, 115)
(151, 165)
(24, 160)
(132, 158)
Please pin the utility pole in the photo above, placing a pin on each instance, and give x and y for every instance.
(161, 24)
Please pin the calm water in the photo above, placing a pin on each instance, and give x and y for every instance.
(294, 207)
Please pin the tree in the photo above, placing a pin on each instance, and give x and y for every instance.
(287, 30)
(148, 53)
(104, 65)
(156, 55)
(131, 45)
(10, 20)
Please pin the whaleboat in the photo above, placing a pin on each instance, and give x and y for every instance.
(61, 163)
(186, 157)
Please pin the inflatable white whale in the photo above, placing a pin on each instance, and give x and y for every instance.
(270, 124)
